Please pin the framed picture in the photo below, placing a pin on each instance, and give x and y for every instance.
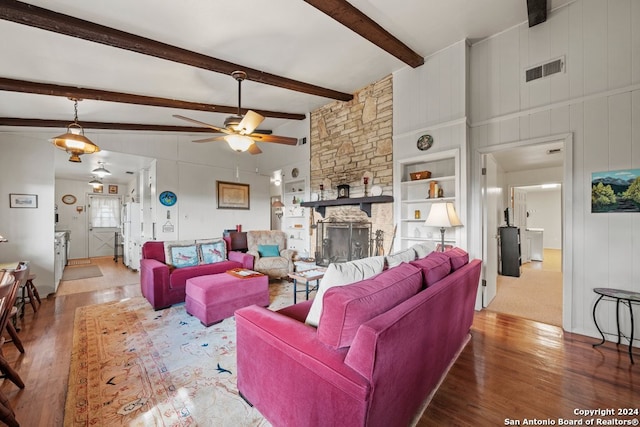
(232, 195)
(23, 200)
(113, 189)
(98, 188)
(615, 191)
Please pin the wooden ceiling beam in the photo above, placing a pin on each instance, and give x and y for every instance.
(33, 16)
(13, 85)
(352, 18)
(43, 123)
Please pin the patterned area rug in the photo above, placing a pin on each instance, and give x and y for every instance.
(133, 366)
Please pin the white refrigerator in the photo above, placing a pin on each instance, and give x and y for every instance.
(131, 235)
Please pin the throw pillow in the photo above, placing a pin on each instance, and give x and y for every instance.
(268, 250)
(343, 274)
(184, 256)
(423, 249)
(168, 245)
(212, 252)
(458, 257)
(398, 258)
(348, 307)
(435, 266)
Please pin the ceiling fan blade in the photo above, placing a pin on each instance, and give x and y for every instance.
(211, 139)
(286, 140)
(254, 149)
(249, 122)
(217, 129)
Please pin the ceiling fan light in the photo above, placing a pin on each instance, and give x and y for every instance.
(238, 143)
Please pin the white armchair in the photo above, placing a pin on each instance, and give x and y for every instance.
(275, 266)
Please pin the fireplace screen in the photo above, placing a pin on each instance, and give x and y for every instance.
(342, 241)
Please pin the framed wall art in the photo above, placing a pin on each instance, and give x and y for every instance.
(23, 200)
(113, 189)
(615, 191)
(232, 195)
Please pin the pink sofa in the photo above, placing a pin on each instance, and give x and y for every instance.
(381, 348)
(164, 286)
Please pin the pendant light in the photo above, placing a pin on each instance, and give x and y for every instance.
(95, 182)
(73, 141)
(100, 170)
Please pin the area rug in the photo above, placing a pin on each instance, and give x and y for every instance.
(133, 366)
(79, 261)
(82, 272)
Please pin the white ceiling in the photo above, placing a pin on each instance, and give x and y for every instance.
(282, 37)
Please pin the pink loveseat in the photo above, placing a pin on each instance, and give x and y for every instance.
(381, 348)
(164, 286)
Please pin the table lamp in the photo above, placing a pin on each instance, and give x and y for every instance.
(442, 215)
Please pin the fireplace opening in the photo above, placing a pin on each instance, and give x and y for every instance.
(342, 241)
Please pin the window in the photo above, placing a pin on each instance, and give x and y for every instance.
(105, 211)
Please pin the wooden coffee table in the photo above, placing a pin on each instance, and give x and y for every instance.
(305, 278)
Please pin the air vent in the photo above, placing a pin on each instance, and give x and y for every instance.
(554, 151)
(130, 172)
(544, 70)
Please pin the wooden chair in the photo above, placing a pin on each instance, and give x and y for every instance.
(8, 290)
(27, 286)
(7, 415)
(20, 275)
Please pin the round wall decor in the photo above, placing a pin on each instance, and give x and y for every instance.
(68, 199)
(425, 142)
(168, 198)
(295, 172)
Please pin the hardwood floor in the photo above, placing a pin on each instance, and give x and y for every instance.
(511, 369)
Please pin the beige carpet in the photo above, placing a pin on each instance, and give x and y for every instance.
(81, 272)
(133, 366)
(536, 294)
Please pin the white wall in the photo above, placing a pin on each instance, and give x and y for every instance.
(597, 99)
(545, 211)
(26, 167)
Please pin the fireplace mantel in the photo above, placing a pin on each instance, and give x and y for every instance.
(364, 202)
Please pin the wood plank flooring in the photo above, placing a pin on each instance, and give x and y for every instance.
(511, 369)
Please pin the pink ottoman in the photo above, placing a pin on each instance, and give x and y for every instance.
(215, 297)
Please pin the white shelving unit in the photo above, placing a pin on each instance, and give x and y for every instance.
(295, 220)
(413, 204)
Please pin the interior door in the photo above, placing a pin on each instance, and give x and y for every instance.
(104, 222)
(491, 215)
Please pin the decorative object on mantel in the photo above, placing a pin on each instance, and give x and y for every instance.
(416, 176)
(343, 191)
(73, 141)
(376, 191)
(443, 215)
(365, 180)
(424, 142)
(321, 191)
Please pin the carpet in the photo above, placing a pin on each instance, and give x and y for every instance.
(79, 261)
(134, 366)
(84, 272)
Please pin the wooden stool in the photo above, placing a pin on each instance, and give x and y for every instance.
(27, 287)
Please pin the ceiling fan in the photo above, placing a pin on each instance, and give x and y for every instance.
(240, 131)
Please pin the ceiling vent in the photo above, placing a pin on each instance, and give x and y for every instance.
(544, 70)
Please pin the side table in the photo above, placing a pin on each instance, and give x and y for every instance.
(627, 298)
(306, 277)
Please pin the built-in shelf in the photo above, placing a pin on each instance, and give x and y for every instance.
(364, 202)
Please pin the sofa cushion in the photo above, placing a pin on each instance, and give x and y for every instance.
(154, 250)
(268, 250)
(168, 249)
(435, 266)
(185, 255)
(398, 258)
(423, 249)
(345, 308)
(339, 274)
(212, 251)
(458, 257)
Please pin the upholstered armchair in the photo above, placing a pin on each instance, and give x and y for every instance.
(270, 254)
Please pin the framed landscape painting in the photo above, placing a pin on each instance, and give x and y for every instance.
(232, 195)
(615, 191)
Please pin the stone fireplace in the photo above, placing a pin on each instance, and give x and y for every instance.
(342, 241)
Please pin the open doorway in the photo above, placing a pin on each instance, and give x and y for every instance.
(513, 177)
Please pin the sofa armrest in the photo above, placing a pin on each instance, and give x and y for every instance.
(255, 254)
(246, 259)
(288, 254)
(280, 357)
(154, 281)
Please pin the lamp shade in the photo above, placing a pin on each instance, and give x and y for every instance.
(277, 204)
(101, 171)
(443, 215)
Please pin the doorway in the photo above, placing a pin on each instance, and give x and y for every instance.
(525, 164)
(104, 224)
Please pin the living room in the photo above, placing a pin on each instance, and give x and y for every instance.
(469, 95)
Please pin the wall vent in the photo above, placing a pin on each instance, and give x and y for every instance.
(544, 70)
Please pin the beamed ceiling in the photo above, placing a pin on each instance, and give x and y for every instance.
(137, 63)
